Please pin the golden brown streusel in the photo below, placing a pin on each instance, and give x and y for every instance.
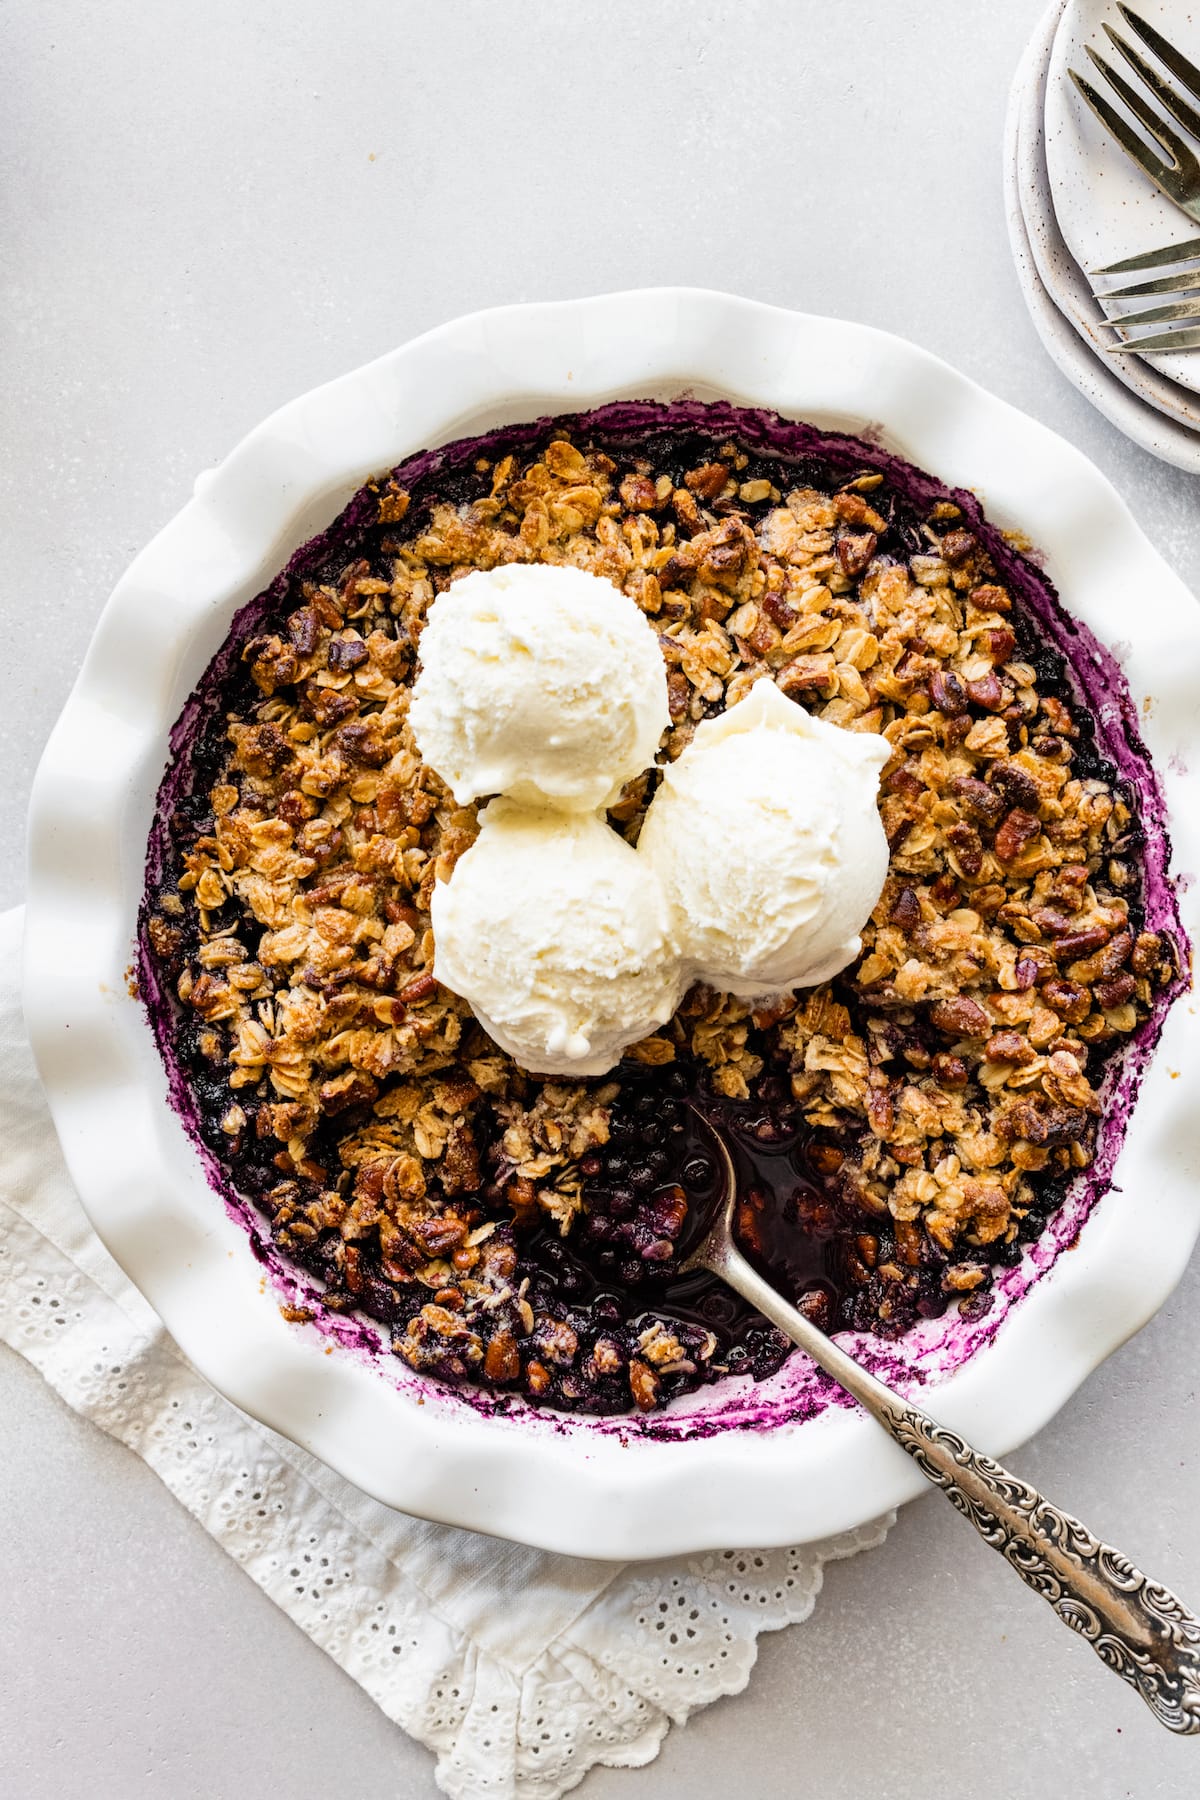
(942, 1081)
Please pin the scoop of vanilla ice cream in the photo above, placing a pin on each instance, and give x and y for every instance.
(540, 682)
(556, 933)
(768, 844)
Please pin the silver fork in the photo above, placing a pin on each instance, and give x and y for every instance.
(1178, 177)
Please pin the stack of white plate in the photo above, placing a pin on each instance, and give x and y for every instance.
(1076, 202)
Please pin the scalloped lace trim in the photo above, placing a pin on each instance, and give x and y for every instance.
(519, 1669)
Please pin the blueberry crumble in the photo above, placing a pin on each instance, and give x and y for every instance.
(900, 1132)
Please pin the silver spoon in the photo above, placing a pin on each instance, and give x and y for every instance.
(1136, 1627)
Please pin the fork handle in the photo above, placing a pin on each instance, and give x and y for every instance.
(1137, 1627)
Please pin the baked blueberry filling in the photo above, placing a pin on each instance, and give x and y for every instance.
(899, 1133)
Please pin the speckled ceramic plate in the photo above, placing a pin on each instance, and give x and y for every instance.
(1147, 406)
(1106, 207)
(734, 1463)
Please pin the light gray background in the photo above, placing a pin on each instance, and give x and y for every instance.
(211, 208)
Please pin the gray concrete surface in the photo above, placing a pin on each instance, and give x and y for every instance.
(210, 209)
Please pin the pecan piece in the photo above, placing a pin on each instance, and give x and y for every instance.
(949, 1071)
(537, 1376)
(947, 693)
(1147, 953)
(1068, 999)
(296, 808)
(1060, 721)
(326, 606)
(361, 743)
(687, 512)
(418, 989)
(987, 692)
(905, 913)
(605, 1358)
(354, 1088)
(638, 494)
(1115, 992)
(978, 799)
(273, 663)
(944, 893)
(957, 546)
(1051, 923)
(556, 1341)
(1067, 885)
(165, 937)
(498, 1260)
(502, 1361)
(1018, 787)
(827, 1159)
(990, 598)
(348, 588)
(438, 1235)
(263, 749)
(210, 997)
(707, 481)
(460, 1163)
(904, 779)
(678, 569)
(1073, 944)
(855, 550)
(968, 848)
(909, 1240)
(643, 1385)
(852, 509)
(881, 1113)
(1043, 1124)
(327, 705)
(725, 555)
(960, 1017)
(347, 652)
(1063, 1125)
(1009, 1047)
(522, 1197)
(304, 629)
(1018, 829)
(806, 675)
(778, 610)
(1106, 962)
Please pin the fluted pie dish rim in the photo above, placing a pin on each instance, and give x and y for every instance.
(612, 1492)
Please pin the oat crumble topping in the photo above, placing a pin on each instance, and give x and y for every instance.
(942, 1090)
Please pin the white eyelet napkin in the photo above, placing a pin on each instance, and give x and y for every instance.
(519, 1669)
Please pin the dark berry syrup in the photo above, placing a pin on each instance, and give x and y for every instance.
(651, 1192)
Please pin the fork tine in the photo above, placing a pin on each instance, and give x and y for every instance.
(1153, 259)
(1156, 341)
(1174, 59)
(1157, 315)
(1130, 142)
(1166, 284)
(1145, 114)
(1164, 93)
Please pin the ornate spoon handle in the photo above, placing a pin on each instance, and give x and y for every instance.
(1136, 1627)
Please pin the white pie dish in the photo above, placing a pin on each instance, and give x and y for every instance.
(609, 1491)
